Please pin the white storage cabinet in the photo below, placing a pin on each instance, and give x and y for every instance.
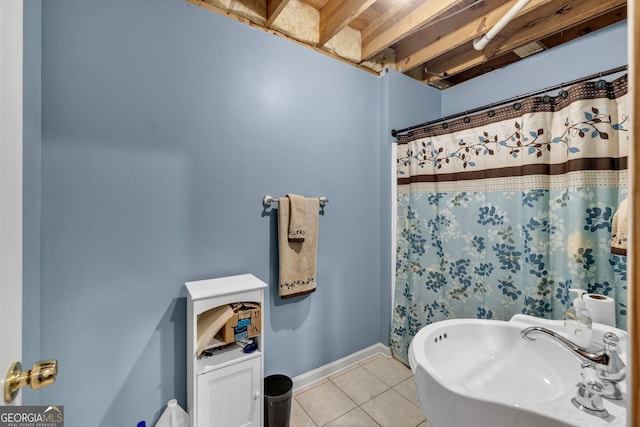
(226, 389)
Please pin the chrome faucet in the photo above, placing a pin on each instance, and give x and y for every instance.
(609, 370)
(601, 357)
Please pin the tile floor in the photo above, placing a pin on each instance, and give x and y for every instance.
(377, 392)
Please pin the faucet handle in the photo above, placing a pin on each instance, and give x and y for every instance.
(615, 371)
(615, 364)
(611, 339)
(590, 391)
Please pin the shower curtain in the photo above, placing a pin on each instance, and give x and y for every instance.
(502, 212)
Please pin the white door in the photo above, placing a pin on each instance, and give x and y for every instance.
(230, 396)
(11, 23)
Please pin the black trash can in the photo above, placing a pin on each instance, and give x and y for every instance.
(277, 400)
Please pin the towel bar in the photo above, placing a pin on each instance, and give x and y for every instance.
(268, 200)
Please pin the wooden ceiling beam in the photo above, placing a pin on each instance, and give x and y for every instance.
(435, 40)
(274, 8)
(386, 20)
(542, 22)
(369, 15)
(421, 15)
(486, 67)
(573, 13)
(337, 14)
(610, 18)
(564, 36)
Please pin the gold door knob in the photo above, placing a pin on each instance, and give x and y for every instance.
(42, 374)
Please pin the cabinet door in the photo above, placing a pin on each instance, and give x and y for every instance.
(231, 396)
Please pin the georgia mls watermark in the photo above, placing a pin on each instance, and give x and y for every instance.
(31, 416)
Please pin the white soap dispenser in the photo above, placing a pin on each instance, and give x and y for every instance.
(578, 321)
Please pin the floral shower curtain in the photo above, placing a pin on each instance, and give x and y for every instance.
(502, 212)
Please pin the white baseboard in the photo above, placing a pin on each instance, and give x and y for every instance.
(311, 378)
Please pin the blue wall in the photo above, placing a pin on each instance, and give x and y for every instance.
(163, 127)
(410, 103)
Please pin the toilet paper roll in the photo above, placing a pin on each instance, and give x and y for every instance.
(602, 308)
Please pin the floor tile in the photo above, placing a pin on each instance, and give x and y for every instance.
(390, 371)
(390, 409)
(355, 418)
(350, 368)
(407, 389)
(360, 385)
(299, 418)
(325, 403)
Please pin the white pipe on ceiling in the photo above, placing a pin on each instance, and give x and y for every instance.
(481, 42)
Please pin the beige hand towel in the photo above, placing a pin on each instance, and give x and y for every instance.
(297, 259)
(620, 229)
(297, 218)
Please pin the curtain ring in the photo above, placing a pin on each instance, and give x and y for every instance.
(601, 84)
(546, 98)
(563, 93)
(491, 113)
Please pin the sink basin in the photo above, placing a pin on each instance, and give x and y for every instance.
(474, 372)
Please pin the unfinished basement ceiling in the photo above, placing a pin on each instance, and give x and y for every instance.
(429, 40)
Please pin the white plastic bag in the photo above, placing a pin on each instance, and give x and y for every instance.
(173, 416)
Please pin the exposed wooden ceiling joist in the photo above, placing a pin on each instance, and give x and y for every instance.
(274, 8)
(411, 35)
(421, 15)
(557, 39)
(337, 14)
(376, 9)
(568, 34)
(438, 39)
(537, 24)
(386, 20)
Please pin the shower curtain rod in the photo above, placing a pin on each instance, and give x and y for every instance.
(396, 133)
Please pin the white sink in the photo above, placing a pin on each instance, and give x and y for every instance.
(481, 373)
